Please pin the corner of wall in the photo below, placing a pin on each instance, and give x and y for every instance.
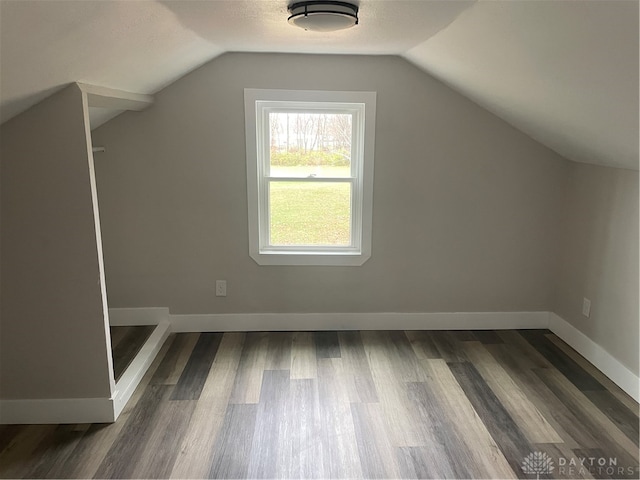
(598, 356)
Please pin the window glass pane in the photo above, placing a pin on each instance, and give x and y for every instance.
(310, 144)
(310, 213)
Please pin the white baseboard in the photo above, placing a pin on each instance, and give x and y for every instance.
(125, 317)
(94, 410)
(98, 410)
(598, 356)
(88, 410)
(131, 377)
(247, 322)
(57, 410)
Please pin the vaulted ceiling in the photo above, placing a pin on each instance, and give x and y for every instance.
(563, 72)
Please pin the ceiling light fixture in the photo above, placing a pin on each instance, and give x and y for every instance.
(323, 16)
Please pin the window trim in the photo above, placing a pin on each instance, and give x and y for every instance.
(362, 211)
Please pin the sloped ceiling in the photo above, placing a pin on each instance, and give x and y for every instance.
(564, 72)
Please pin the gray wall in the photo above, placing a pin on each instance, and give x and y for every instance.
(600, 258)
(465, 206)
(53, 342)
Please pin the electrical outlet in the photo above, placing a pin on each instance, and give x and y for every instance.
(586, 307)
(221, 288)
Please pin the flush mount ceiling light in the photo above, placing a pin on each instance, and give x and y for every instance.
(323, 16)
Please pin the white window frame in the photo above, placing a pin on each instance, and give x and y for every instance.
(362, 105)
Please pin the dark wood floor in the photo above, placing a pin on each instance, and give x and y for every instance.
(350, 405)
(126, 342)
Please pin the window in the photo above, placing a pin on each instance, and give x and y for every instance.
(309, 176)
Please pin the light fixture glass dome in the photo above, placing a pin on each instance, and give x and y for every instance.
(323, 16)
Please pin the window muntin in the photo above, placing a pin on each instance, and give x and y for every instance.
(309, 172)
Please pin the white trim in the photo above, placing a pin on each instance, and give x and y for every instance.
(310, 259)
(90, 410)
(598, 356)
(98, 232)
(104, 97)
(105, 410)
(57, 410)
(126, 317)
(131, 377)
(362, 105)
(246, 322)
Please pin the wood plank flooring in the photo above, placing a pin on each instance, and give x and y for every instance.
(126, 342)
(370, 404)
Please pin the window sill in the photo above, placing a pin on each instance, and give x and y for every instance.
(310, 259)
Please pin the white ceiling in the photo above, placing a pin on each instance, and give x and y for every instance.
(564, 72)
